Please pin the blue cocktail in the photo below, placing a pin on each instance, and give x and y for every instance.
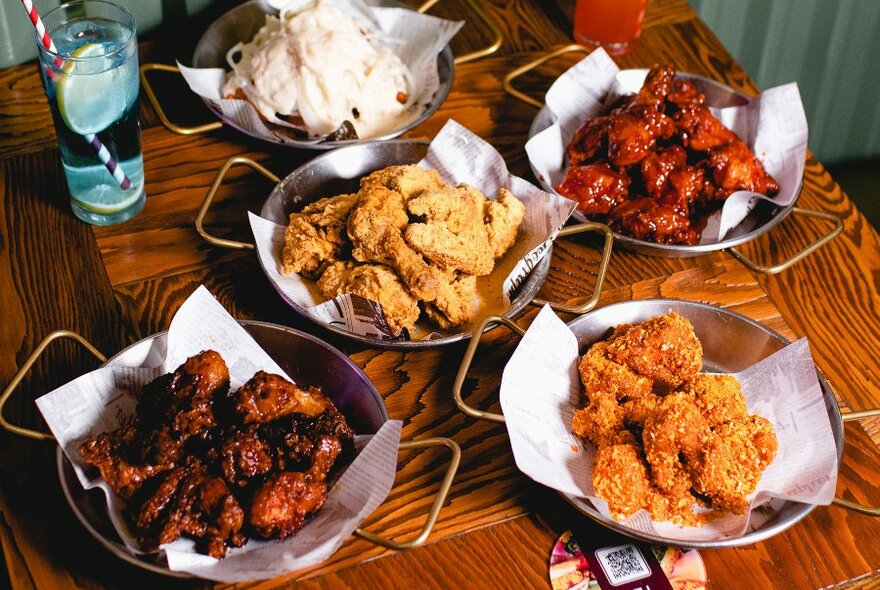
(91, 80)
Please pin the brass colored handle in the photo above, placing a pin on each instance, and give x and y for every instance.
(510, 77)
(466, 365)
(600, 274)
(477, 7)
(777, 268)
(439, 499)
(148, 88)
(26, 366)
(575, 309)
(846, 504)
(206, 204)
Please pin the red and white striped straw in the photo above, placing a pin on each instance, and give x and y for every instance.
(103, 153)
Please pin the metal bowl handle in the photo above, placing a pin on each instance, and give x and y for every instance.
(439, 499)
(491, 320)
(476, 6)
(846, 504)
(514, 74)
(23, 370)
(151, 96)
(777, 268)
(209, 197)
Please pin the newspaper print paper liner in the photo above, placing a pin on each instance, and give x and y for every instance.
(104, 399)
(459, 156)
(773, 125)
(541, 389)
(415, 38)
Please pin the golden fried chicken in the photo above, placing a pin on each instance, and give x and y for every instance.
(377, 223)
(281, 504)
(600, 374)
(599, 421)
(719, 397)
(674, 436)
(455, 302)
(731, 464)
(664, 348)
(503, 217)
(621, 479)
(316, 236)
(735, 168)
(375, 282)
(267, 397)
(636, 411)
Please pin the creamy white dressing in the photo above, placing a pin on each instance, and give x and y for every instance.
(324, 66)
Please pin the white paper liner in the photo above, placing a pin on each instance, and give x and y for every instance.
(104, 399)
(541, 389)
(458, 155)
(417, 39)
(773, 125)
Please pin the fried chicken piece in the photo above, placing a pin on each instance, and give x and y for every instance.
(677, 432)
(656, 86)
(644, 218)
(503, 216)
(377, 223)
(686, 185)
(282, 503)
(633, 131)
(590, 142)
(184, 399)
(245, 456)
(602, 375)
(375, 282)
(735, 168)
(316, 235)
(267, 397)
(699, 129)
(599, 421)
(683, 93)
(117, 457)
(410, 181)
(453, 235)
(301, 443)
(731, 464)
(636, 411)
(657, 165)
(663, 348)
(455, 302)
(621, 479)
(719, 397)
(193, 503)
(596, 187)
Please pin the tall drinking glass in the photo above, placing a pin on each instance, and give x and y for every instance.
(92, 85)
(612, 24)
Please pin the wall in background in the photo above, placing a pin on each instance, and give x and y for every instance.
(831, 48)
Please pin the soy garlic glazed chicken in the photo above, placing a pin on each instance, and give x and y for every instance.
(219, 466)
(659, 163)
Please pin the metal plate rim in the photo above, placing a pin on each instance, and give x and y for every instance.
(542, 120)
(527, 291)
(585, 508)
(445, 57)
(119, 551)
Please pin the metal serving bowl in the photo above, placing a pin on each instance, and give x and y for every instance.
(731, 342)
(241, 24)
(760, 220)
(306, 359)
(339, 172)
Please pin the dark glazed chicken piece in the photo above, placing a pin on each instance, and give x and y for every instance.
(245, 456)
(267, 397)
(644, 218)
(117, 456)
(683, 93)
(282, 503)
(699, 129)
(656, 86)
(735, 168)
(633, 131)
(185, 397)
(657, 166)
(589, 143)
(596, 187)
(194, 503)
(299, 442)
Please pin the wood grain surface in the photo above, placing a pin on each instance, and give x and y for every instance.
(118, 284)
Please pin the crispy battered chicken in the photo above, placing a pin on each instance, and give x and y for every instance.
(454, 305)
(600, 374)
(316, 235)
(621, 479)
(375, 282)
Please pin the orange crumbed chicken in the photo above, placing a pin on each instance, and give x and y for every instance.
(403, 239)
(215, 466)
(668, 437)
(659, 163)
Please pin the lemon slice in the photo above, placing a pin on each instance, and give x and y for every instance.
(89, 103)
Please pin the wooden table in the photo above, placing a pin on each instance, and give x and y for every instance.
(118, 284)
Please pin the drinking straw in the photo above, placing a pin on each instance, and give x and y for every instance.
(103, 153)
